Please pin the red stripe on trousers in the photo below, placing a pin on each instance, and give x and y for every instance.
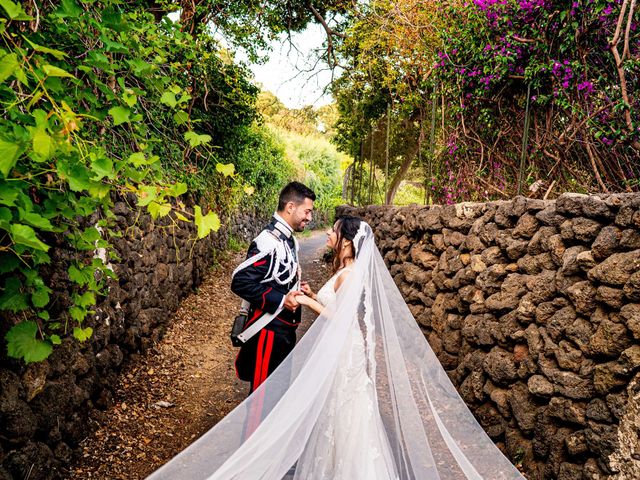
(267, 356)
(257, 374)
(262, 367)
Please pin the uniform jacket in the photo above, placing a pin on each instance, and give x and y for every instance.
(270, 271)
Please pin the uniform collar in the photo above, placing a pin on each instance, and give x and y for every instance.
(282, 225)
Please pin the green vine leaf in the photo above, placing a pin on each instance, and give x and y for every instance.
(169, 99)
(8, 195)
(80, 276)
(206, 223)
(159, 209)
(5, 218)
(36, 220)
(78, 313)
(111, 46)
(177, 189)
(140, 67)
(39, 48)
(53, 71)
(139, 159)
(22, 343)
(88, 239)
(82, 334)
(87, 299)
(40, 297)
(9, 65)
(76, 175)
(102, 167)
(68, 9)
(146, 195)
(181, 117)
(8, 263)
(25, 235)
(195, 139)
(227, 170)
(13, 299)
(9, 152)
(14, 11)
(43, 145)
(130, 98)
(120, 115)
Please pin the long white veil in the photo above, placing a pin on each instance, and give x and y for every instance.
(431, 432)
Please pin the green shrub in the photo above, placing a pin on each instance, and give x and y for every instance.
(319, 165)
(98, 99)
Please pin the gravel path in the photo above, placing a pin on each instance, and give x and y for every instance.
(179, 389)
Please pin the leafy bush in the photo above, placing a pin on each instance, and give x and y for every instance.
(319, 166)
(562, 56)
(408, 194)
(99, 99)
(263, 165)
(463, 73)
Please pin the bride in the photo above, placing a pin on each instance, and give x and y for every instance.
(362, 395)
(349, 441)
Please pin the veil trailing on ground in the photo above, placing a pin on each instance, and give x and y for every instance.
(431, 432)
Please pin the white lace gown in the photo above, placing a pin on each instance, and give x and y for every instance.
(349, 442)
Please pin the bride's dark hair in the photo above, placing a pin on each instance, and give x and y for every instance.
(346, 227)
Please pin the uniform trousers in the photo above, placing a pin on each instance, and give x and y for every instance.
(263, 352)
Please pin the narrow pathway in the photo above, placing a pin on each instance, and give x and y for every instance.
(184, 385)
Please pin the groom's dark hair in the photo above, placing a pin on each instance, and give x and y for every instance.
(294, 192)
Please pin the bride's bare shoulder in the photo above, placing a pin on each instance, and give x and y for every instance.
(341, 276)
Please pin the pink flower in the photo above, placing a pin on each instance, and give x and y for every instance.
(586, 86)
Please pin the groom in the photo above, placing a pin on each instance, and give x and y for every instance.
(269, 281)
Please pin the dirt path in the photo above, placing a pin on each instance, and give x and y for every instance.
(171, 395)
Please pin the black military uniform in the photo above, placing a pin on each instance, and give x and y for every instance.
(264, 279)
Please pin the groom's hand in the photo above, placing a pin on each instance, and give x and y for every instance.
(290, 302)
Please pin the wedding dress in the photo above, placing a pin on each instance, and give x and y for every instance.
(361, 396)
(349, 441)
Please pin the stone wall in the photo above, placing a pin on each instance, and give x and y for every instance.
(44, 407)
(533, 308)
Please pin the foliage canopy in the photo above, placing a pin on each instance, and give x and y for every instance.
(495, 96)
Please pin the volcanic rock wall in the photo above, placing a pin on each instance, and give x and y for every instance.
(533, 308)
(44, 407)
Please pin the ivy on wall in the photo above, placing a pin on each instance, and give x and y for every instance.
(100, 100)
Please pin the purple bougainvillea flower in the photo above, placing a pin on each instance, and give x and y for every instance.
(586, 86)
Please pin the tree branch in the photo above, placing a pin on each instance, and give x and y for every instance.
(523, 40)
(331, 57)
(595, 168)
(625, 51)
(613, 46)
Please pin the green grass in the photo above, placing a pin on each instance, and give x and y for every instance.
(304, 234)
(235, 244)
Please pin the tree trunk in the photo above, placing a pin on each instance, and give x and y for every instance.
(409, 157)
(346, 181)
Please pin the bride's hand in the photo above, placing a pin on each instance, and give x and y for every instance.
(303, 299)
(306, 289)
